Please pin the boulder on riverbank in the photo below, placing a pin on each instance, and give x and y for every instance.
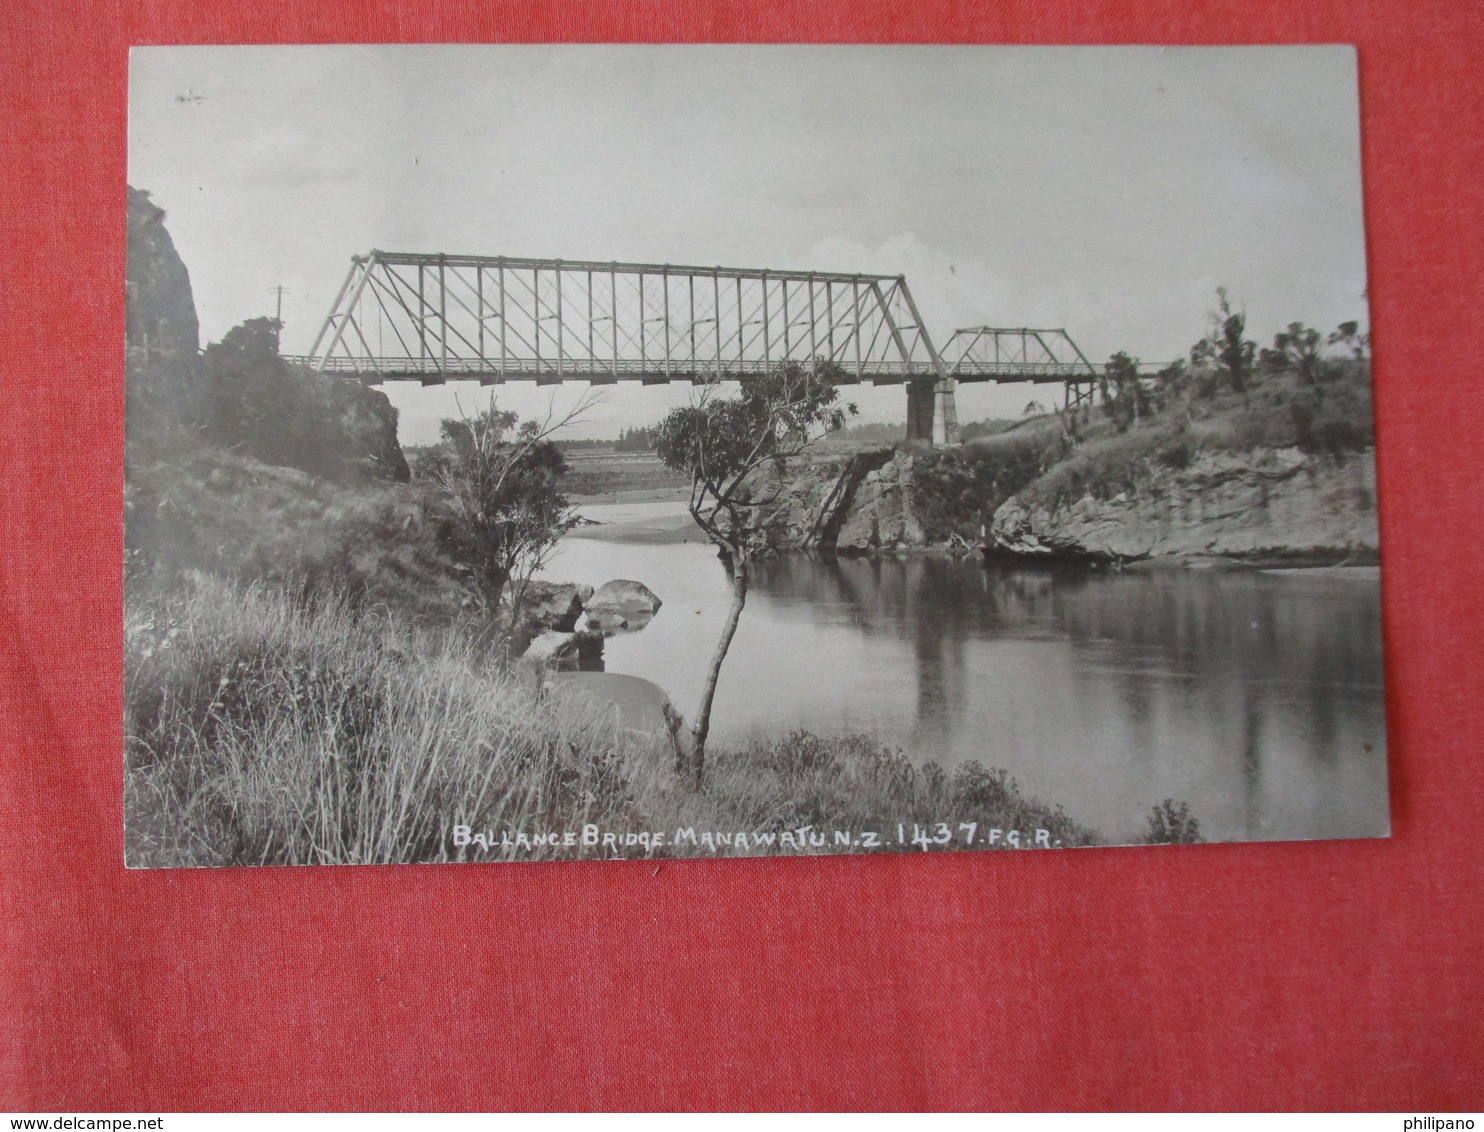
(553, 605)
(565, 652)
(620, 605)
(621, 707)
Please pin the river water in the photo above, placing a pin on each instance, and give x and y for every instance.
(1256, 697)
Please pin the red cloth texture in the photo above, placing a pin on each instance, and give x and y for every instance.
(1326, 975)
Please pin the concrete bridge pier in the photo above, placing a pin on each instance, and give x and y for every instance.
(932, 414)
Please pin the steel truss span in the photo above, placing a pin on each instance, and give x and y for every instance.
(434, 318)
(1019, 353)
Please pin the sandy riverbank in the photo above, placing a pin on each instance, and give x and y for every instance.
(643, 520)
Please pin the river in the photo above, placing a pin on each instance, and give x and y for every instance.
(1256, 697)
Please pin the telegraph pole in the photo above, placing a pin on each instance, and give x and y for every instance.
(280, 291)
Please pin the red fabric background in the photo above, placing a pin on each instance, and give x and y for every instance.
(1322, 975)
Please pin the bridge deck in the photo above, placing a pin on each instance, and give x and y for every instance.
(546, 372)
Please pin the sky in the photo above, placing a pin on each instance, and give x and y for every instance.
(1109, 190)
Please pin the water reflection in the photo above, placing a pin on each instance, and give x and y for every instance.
(1255, 697)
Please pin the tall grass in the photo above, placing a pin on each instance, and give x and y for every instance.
(262, 731)
(262, 728)
(853, 783)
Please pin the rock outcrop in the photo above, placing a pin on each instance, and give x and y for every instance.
(620, 605)
(855, 503)
(241, 395)
(1266, 502)
(161, 330)
(565, 652)
(879, 514)
(161, 311)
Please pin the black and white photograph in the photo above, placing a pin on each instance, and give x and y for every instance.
(541, 453)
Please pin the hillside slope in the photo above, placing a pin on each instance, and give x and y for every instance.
(1282, 469)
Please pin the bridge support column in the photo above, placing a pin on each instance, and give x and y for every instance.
(932, 413)
(920, 397)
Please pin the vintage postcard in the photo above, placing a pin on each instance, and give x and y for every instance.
(576, 452)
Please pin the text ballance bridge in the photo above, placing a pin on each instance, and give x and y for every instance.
(436, 318)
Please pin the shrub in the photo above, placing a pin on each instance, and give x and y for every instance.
(854, 782)
(1171, 824)
(1113, 464)
(191, 509)
(956, 491)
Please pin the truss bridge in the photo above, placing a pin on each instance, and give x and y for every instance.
(437, 318)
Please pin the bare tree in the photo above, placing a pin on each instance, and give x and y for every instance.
(725, 444)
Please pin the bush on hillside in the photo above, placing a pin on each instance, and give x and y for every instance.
(955, 491)
(191, 508)
(288, 415)
(1113, 464)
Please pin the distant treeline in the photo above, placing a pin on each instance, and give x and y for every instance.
(629, 440)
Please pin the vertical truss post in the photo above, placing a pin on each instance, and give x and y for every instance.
(716, 299)
(442, 318)
(691, 280)
(560, 321)
(829, 314)
(767, 345)
(787, 324)
(813, 330)
(855, 326)
(422, 317)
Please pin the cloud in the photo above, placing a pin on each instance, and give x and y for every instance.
(286, 155)
(951, 291)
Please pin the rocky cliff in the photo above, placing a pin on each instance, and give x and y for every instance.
(879, 515)
(854, 503)
(1263, 502)
(241, 395)
(1260, 503)
(161, 316)
(160, 326)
